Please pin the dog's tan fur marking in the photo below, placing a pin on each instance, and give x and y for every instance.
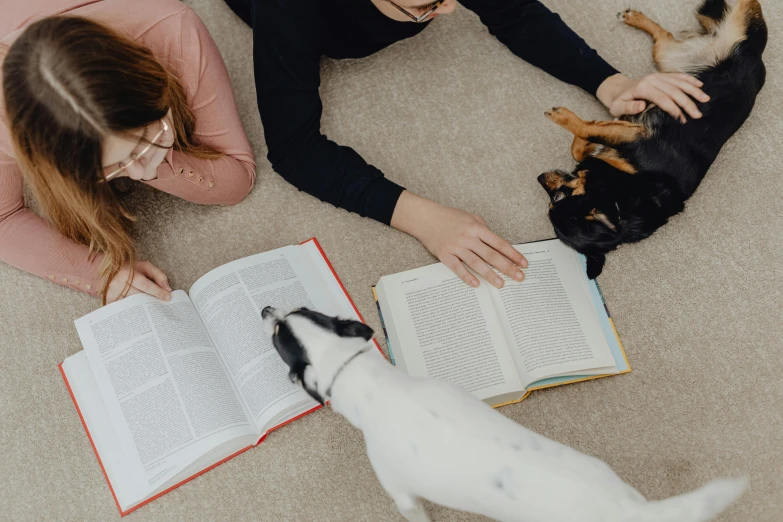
(702, 51)
(580, 148)
(663, 39)
(613, 158)
(577, 185)
(594, 215)
(709, 24)
(614, 132)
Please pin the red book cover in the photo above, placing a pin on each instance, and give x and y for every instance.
(103, 470)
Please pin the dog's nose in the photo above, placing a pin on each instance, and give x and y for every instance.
(267, 311)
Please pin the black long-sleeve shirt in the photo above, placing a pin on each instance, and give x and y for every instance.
(291, 36)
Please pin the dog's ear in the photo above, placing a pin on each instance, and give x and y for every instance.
(349, 328)
(595, 265)
(596, 215)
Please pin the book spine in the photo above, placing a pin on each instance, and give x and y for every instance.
(383, 327)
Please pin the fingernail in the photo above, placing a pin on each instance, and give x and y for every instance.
(499, 283)
(518, 276)
(474, 283)
(523, 264)
(167, 297)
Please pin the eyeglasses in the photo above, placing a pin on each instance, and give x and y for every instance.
(421, 18)
(135, 157)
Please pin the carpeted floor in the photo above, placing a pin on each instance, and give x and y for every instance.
(698, 306)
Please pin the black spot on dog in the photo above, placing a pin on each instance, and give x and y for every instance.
(501, 482)
(341, 327)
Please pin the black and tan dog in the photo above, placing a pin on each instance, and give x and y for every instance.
(635, 173)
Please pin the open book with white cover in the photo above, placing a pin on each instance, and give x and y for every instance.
(168, 390)
(550, 329)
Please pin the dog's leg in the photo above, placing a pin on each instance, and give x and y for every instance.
(663, 39)
(580, 149)
(411, 508)
(616, 132)
(711, 13)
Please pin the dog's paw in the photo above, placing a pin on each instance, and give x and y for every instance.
(558, 115)
(632, 17)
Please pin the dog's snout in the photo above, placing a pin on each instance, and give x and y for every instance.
(268, 311)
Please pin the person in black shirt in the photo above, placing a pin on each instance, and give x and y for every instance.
(291, 36)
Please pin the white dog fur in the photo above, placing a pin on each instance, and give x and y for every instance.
(428, 439)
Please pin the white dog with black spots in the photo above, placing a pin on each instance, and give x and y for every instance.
(428, 439)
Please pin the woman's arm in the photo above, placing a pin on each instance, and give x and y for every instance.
(226, 180)
(541, 38)
(29, 243)
(287, 75)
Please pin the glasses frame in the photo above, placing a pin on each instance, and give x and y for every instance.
(421, 18)
(134, 157)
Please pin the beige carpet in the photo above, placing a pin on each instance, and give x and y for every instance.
(698, 306)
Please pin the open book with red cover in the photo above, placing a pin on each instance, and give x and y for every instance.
(168, 390)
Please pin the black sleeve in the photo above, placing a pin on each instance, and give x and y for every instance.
(541, 38)
(287, 76)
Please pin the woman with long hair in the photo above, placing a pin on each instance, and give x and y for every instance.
(97, 92)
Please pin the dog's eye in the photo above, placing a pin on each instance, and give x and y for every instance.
(558, 197)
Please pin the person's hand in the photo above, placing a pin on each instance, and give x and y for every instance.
(672, 92)
(147, 279)
(458, 238)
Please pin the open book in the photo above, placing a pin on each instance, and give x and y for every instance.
(168, 390)
(550, 329)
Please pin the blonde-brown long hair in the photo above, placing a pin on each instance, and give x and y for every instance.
(68, 82)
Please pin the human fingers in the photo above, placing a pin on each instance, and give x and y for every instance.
(504, 247)
(499, 261)
(679, 97)
(623, 107)
(686, 77)
(650, 91)
(143, 283)
(681, 81)
(455, 265)
(480, 267)
(156, 274)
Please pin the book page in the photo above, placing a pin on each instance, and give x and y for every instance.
(229, 300)
(449, 330)
(167, 394)
(549, 318)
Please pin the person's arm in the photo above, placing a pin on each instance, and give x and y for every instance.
(29, 243)
(541, 38)
(287, 75)
(228, 179)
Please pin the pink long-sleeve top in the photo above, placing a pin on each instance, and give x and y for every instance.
(179, 40)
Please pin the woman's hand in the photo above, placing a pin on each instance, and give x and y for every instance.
(147, 279)
(672, 92)
(458, 238)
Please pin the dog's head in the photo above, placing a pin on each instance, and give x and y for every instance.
(307, 341)
(585, 215)
(597, 207)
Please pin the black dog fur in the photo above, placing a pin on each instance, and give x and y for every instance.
(612, 206)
